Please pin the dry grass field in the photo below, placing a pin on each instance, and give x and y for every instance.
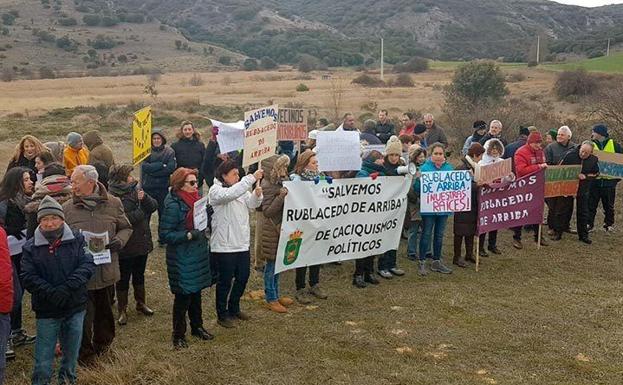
(549, 316)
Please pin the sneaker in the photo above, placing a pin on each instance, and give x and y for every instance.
(242, 316)
(551, 232)
(286, 301)
(277, 307)
(317, 292)
(302, 297)
(609, 229)
(438, 267)
(202, 334)
(543, 242)
(20, 338)
(586, 240)
(359, 282)
(370, 278)
(179, 343)
(571, 231)
(517, 244)
(421, 268)
(412, 257)
(483, 253)
(10, 353)
(397, 272)
(226, 322)
(386, 274)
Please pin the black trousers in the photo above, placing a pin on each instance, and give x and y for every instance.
(517, 232)
(561, 210)
(605, 195)
(132, 267)
(550, 211)
(18, 293)
(469, 245)
(362, 266)
(99, 323)
(301, 273)
(182, 304)
(233, 275)
(493, 240)
(582, 211)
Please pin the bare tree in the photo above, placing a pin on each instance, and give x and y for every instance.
(608, 108)
(336, 98)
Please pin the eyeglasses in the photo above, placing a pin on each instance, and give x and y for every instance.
(191, 182)
(428, 122)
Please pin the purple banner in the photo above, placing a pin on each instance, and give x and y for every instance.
(517, 204)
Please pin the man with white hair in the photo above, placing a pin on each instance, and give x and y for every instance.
(495, 132)
(560, 208)
(434, 133)
(93, 210)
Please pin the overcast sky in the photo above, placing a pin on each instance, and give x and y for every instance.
(589, 3)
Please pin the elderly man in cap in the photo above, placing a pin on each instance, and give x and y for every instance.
(92, 209)
(604, 188)
(56, 269)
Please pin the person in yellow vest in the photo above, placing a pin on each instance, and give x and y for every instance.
(75, 153)
(604, 188)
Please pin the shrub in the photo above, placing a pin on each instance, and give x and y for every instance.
(8, 19)
(403, 80)
(307, 63)
(413, 65)
(178, 44)
(477, 82)
(122, 58)
(249, 65)
(67, 21)
(136, 18)
(575, 83)
(515, 77)
(46, 73)
(109, 21)
(267, 63)
(368, 81)
(302, 88)
(44, 35)
(103, 42)
(91, 20)
(67, 44)
(224, 60)
(532, 63)
(196, 80)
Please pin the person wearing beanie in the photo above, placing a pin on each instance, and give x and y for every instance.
(522, 138)
(551, 136)
(55, 270)
(419, 133)
(480, 129)
(310, 142)
(54, 184)
(75, 153)
(604, 188)
(465, 223)
(529, 159)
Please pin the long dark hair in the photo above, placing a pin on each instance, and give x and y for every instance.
(12, 183)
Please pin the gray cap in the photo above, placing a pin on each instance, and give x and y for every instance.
(49, 206)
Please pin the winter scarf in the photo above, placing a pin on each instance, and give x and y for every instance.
(120, 188)
(90, 201)
(189, 199)
(52, 185)
(309, 174)
(20, 200)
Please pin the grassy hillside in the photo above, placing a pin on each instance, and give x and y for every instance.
(612, 63)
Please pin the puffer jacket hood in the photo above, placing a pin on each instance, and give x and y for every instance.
(488, 159)
(92, 139)
(159, 132)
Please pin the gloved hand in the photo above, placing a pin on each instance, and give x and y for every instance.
(114, 245)
(196, 234)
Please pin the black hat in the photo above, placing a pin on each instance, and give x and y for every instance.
(419, 129)
(480, 125)
(524, 131)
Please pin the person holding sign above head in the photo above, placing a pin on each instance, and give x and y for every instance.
(138, 207)
(306, 169)
(465, 223)
(276, 168)
(434, 224)
(231, 198)
(100, 215)
(188, 256)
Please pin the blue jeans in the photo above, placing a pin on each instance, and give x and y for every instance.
(412, 243)
(68, 331)
(433, 227)
(387, 260)
(271, 282)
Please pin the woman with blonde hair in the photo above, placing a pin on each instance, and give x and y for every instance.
(28, 148)
(189, 149)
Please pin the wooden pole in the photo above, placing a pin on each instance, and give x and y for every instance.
(538, 49)
(382, 60)
(477, 251)
(608, 49)
(538, 241)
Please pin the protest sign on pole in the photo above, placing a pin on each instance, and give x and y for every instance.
(516, 204)
(338, 151)
(445, 191)
(230, 135)
(260, 134)
(562, 181)
(141, 135)
(610, 164)
(348, 219)
(292, 124)
(493, 171)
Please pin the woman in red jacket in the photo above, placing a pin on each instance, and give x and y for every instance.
(6, 300)
(529, 159)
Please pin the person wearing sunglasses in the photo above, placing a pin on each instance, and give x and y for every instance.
(188, 256)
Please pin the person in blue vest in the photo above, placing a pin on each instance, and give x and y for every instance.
(604, 188)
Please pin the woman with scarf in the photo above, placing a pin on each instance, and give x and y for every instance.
(188, 256)
(231, 199)
(15, 192)
(26, 151)
(138, 207)
(306, 169)
(465, 223)
(434, 224)
(271, 211)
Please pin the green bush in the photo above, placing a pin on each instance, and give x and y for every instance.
(249, 65)
(403, 80)
(109, 21)
(267, 63)
(8, 19)
(224, 60)
(413, 65)
(92, 20)
(302, 88)
(368, 81)
(477, 82)
(67, 21)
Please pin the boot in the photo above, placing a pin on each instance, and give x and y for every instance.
(422, 268)
(277, 307)
(122, 306)
(359, 282)
(302, 296)
(317, 292)
(459, 261)
(139, 296)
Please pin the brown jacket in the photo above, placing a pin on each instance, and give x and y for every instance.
(108, 216)
(98, 151)
(272, 211)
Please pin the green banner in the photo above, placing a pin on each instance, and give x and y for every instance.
(562, 173)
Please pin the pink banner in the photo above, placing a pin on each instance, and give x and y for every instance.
(516, 204)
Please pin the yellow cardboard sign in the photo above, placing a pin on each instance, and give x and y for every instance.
(141, 135)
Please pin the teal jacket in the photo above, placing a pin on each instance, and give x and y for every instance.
(429, 166)
(368, 167)
(188, 262)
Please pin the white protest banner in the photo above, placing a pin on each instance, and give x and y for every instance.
(96, 246)
(200, 214)
(230, 135)
(445, 191)
(348, 219)
(493, 171)
(292, 124)
(260, 134)
(374, 147)
(338, 151)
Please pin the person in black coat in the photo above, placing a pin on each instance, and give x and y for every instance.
(138, 207)
(157, 168)
(213, 158)
(189, 149)
(56, 269)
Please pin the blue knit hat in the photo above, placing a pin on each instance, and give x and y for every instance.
(601, 129)
(73, 138)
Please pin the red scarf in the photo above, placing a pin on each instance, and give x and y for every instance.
(189, 199)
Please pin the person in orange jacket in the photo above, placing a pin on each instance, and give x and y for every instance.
(75, 153)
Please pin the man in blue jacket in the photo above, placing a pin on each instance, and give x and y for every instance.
(55, 270)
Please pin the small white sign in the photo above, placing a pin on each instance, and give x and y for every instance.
(96, 246)
(200, 214)
(338, 151)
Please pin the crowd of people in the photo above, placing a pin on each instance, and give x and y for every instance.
(53, 193)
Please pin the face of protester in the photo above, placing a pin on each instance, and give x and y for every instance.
(39, 165)
(81, 186)
(29, 149)
(548, 139)
(349, 122)
(406, 122)
(394, 159)
(188, 131)
(310, 143)
(420, 159)
(191, 186)
(438, 157)
(312, 165)
(232, 177)
(428, 122)
(51, 223)
(405, 146)
(477, 158)
(481, 131)
(585, 151)
(494, 152)
(156, 141)
(382, 117)
(596, 136)
(563, 138)
(27, 183)
(495, 130)
(535, 146)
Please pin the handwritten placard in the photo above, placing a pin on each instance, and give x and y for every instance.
(445, 191)
(562, 181)
(610, 164)
(493, 171)
(260, 134)
(292, 124)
